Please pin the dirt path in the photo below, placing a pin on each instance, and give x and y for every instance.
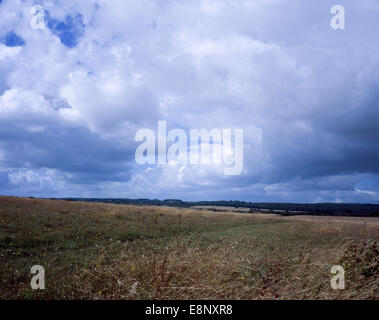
(349, 220)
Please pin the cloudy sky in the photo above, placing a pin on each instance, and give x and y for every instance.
(74, 94)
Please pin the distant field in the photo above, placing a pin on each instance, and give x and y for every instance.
(108, 251)
(222, 208)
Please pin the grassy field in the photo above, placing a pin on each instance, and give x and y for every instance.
(105, 251)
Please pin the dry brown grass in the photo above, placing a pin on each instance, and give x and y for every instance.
(104, 251)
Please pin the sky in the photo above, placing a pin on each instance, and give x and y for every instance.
(74, 93)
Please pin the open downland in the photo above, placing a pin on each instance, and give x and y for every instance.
(105, 251)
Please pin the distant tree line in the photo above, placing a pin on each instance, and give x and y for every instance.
(328, 209)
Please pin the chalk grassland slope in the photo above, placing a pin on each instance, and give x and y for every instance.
(107, 251)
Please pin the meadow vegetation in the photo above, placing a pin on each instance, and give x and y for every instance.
(110, 251)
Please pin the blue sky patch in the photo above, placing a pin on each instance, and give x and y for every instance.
(69, 31)
(11, 39)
